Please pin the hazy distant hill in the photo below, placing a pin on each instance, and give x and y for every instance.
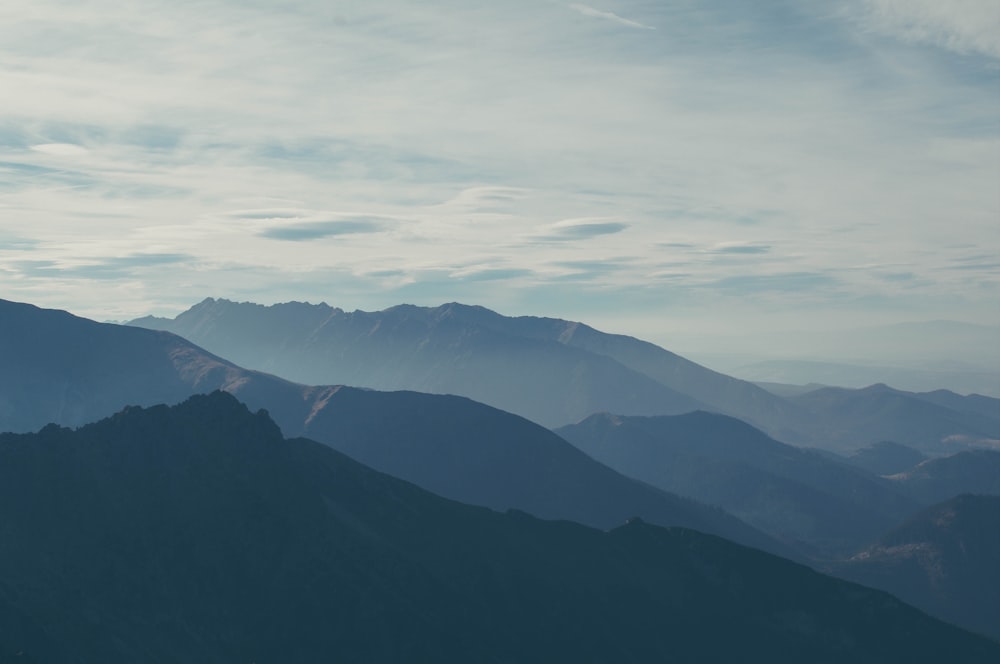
(886, 458)
(961, 378)
(943, 560)
(794, 494)
(551, 371)
(71, 370)
(196, 533)
(852, 419)
(935, 480)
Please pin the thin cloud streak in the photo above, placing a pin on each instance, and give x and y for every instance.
(610, 16)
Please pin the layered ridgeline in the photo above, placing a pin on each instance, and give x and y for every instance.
(198, 533)
(795, 494)
(70, 371)
(943, 560)
(551, 371)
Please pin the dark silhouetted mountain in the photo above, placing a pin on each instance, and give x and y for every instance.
(937, 480)
(197, 533)
(944, 561)
(886, 458)
(797, 495)
(549, 370)
(70, 370)
(852, 419)
(448, 350)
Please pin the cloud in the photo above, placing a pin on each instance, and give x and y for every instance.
(581, 229)
(963, 26)
(490, 274)
(741, 248)
(788, 282)
(60, 149)
(610, 16)
(315, 230)
(113, 267)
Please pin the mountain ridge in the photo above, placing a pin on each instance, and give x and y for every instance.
(198, 532)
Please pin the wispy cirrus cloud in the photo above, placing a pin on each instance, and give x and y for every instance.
(963, 26)
(316, 230)
(580, 229)
(587, 10)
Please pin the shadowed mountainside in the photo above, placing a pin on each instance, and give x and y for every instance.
(796, 495)
(198, 533)
(886, 458)
(936, 480)
(943, 560)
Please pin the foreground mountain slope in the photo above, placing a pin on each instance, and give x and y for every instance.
(943, 560)
(794, 494)
(77, 371)
(199, 533)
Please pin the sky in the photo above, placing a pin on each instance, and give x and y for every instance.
(671, 169)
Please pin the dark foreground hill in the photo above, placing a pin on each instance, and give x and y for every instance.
(197, 533)
(71, 370)
(943, 560)
(794, 494)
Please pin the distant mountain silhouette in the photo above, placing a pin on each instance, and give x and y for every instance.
(886, 458)
(937, 480)
(554, 372)
(453, 349)
(70, 370)
(856, 418)
(794, 494)
(943, 560)
(197, 533)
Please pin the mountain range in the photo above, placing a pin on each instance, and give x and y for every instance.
(72, 371)
(69, 371)
(199, 533)
(557, 372)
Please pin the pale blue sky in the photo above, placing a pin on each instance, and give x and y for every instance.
(657, 168)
